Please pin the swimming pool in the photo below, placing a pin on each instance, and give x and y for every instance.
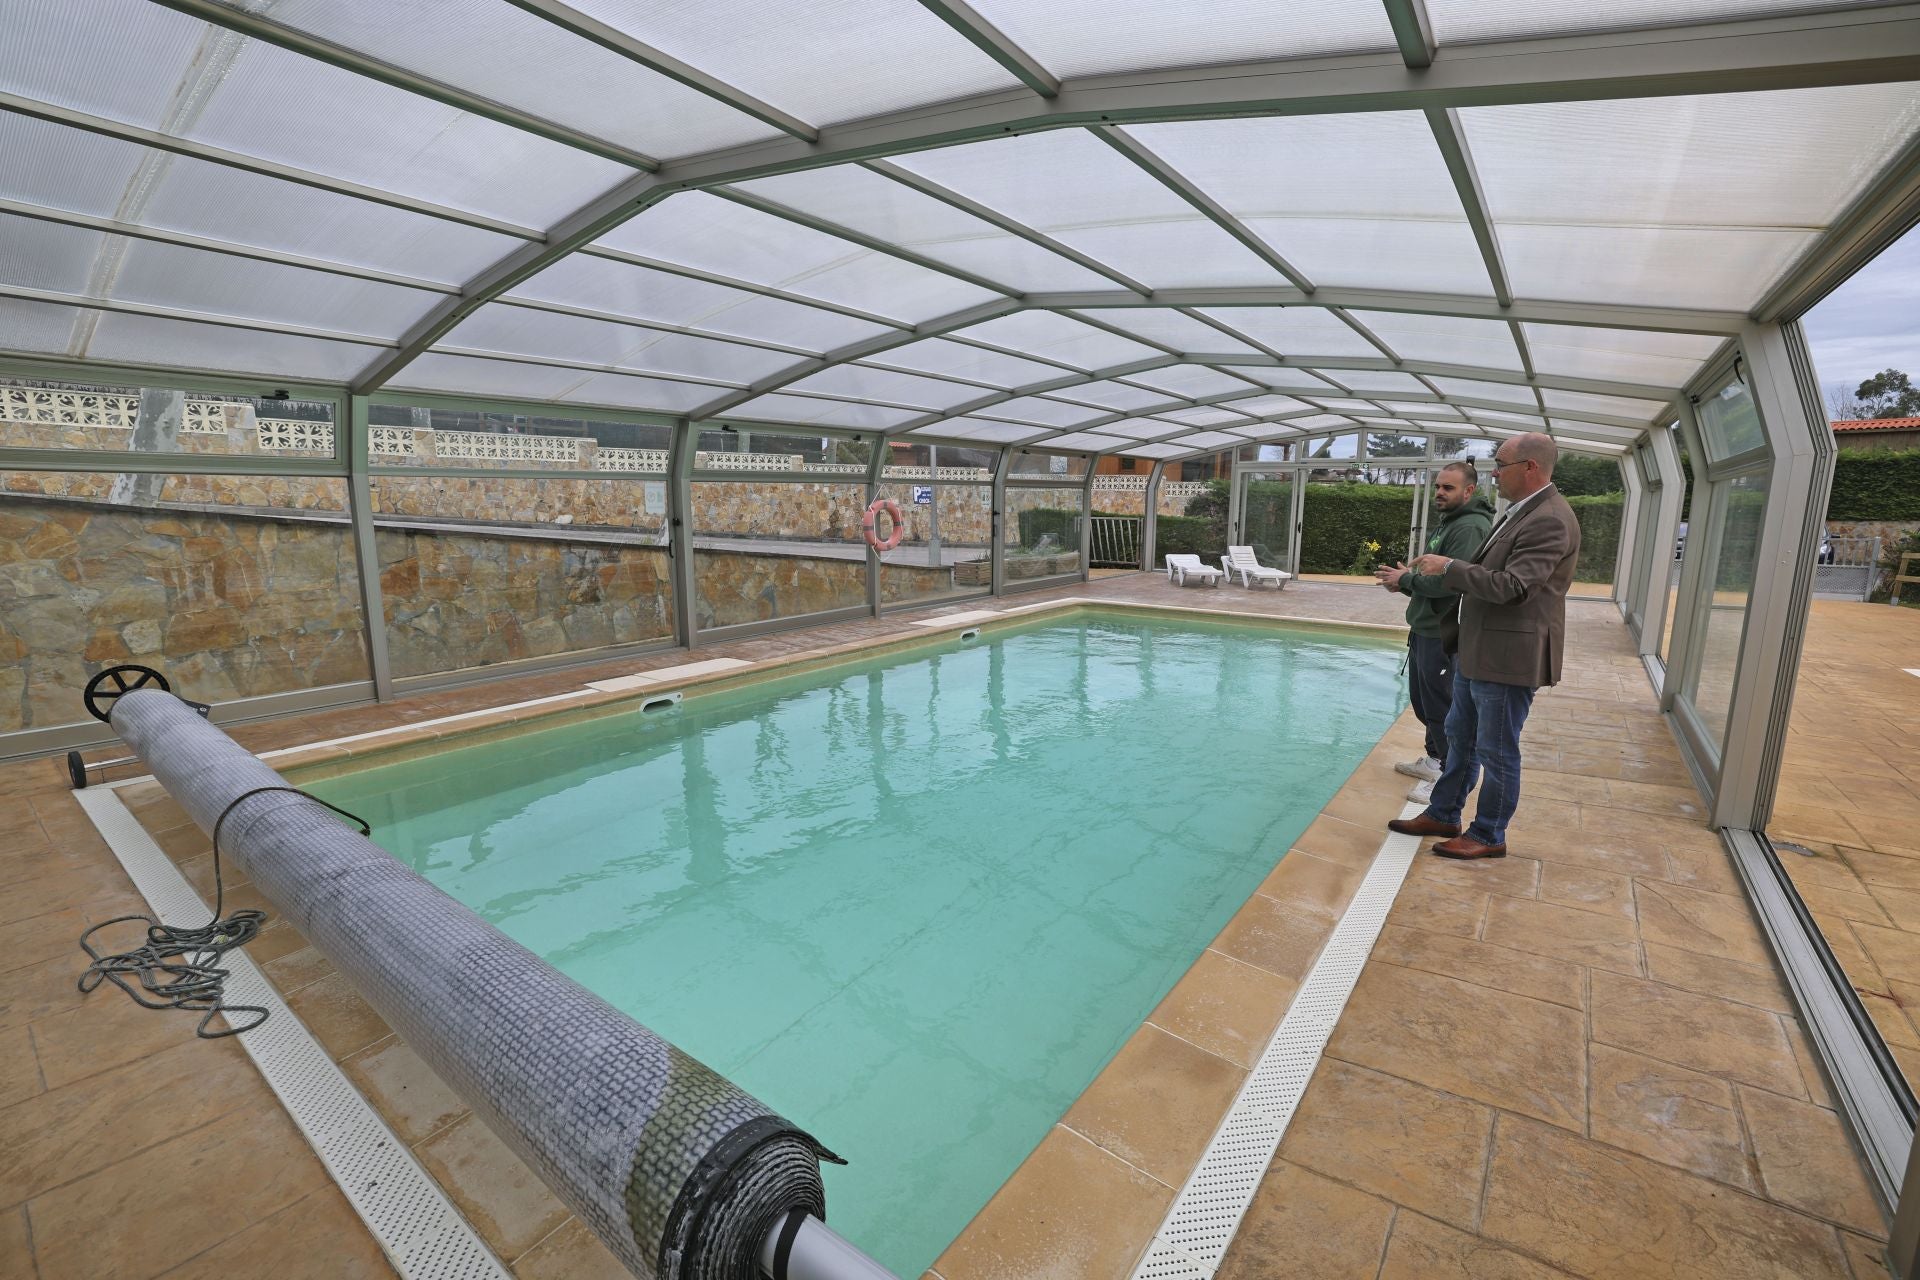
(914, 901)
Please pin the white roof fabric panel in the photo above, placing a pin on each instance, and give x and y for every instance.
(1091, 37)
(695, 229)
(645, 294)
(1630, 355)
(1295, 331)
(523, 331)
(512, 57)
(873, 204)
(1085, 194)
(1445, 339)
(1058, 337)
(959, 360)
(1171, 329)
(856, 382)
(828, 61)
(1190, 380)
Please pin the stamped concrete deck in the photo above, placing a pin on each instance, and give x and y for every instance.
(1578, 1061)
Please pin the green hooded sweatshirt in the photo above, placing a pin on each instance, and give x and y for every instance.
(1459, 537)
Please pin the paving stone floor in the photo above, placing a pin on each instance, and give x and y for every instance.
(1577, 1061)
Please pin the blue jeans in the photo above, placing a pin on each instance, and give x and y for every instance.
(1430, 682)
(1483, 736)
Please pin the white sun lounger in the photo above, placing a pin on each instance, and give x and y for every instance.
(1242, 561)
(1182, 567)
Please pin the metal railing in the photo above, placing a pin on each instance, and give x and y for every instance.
(1116, 541)
(1847, 567)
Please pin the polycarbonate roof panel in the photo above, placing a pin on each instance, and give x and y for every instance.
(857, 382)
(621, 391)
(123, 61)
(1353, 406)
(1445, 339)
(1471, 21)
(1142, 428)
(1690, 160)
(1041, 411)
(472, 376)
(44, 255)
(1111, 395)
(35, 326)
(523, 331)
(1203, 417)
(1474, 389)
(1381, 164)
(1153, 451)
(959, 360)
(1264, 431)
(1379, 253)
(373, 134)
(1630, 355)
(979, 429)
(512, 57)
(1715, 268)
(1520, 421)
(1092, 37)
(828, 61)
(1208, 440)
(1420, 410)
(1575, 402)
(698, 230)
(1377, 380)
(196, 280)
(1323, 422)
(862, 200)
(1298, 381)
(1169, 328)
(1058, 337)
(1270, 404)
(600, 284)
(1087, 440)
(1295, 331)
(1190, 380)
(126, 339)
(826, 413)
(1085, 194)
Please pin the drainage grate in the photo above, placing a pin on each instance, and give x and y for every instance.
(1207, 1212)
(411, 1218)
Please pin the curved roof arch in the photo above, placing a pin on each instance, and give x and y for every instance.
(938, 218)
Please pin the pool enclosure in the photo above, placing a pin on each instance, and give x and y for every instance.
(349, 350)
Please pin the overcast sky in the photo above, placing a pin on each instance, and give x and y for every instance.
(1872, 322)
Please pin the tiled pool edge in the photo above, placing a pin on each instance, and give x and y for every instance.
(1257, 960)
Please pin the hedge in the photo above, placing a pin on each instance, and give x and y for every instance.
(1599, 518)
(1871, 484)
(1063, 523)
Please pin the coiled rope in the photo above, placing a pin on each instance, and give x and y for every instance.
(180, 968)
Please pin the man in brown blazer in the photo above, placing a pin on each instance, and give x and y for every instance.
(1509, 637)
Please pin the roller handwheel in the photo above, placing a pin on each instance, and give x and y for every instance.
(105, 689)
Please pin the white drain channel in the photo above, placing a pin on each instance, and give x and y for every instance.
(1207, 1212)
(423, 1235)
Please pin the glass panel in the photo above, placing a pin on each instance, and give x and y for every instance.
(1266, 516)
(1348, 526)
(947, 550)
(233, 586)
(1730, 421)
(1677, 558)
(552, 566)
(1739, 510)
(1398, 449)
(40, 414)
(769, 549)
(1036, 463)
(492, 440)
(1464, 447)
(1042, 533)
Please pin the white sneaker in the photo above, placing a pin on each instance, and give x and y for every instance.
(1422, 793)
(1426, 768)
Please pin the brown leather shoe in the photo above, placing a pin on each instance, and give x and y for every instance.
(1423, 826)
(1465, 849)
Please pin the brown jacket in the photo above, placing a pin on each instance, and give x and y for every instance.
(1512, 627)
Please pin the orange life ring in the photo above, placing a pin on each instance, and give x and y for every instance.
(869, 525)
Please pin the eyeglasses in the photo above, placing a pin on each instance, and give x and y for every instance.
(1502, 466)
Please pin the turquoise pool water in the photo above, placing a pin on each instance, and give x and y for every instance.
(913, 903)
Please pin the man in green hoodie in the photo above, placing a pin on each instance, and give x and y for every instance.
(1466, 516)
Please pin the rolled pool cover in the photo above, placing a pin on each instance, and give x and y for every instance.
(680, 1173)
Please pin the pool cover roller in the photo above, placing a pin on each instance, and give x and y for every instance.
(682, 1174)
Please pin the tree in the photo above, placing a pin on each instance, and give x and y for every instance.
(1889, 394)
(1842, 404)
(1577, 476)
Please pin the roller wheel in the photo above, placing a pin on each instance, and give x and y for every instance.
(105, 689)
(77, 770)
